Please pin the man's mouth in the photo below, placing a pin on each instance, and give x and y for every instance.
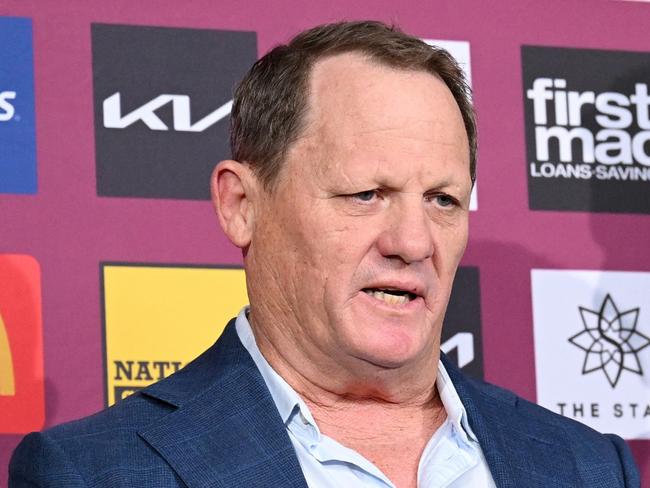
(390, 295)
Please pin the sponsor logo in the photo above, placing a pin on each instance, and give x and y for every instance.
(146, 114)
(17, 133)
(22, 393)
(461, 332)
(591, 338)
(158, 318)
(7, 110)
(610, 340)
(460, 51)
(162, 104)
(587, 130)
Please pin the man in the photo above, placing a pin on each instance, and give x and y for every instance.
(354, 152)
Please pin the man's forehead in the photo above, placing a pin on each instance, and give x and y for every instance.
(352, 89)
(347, 77)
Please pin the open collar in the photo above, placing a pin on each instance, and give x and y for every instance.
(225, 430)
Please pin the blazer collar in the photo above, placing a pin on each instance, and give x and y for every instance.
(514, 441)
(225, 430)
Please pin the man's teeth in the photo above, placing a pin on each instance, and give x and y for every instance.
(389, 297)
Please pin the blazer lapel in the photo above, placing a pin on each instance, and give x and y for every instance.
(226, 430)
(519, 451)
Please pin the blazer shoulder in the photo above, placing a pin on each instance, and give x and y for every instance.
(77, 453)
(150, 404)
(593, 451)
(540, 420)
(128, 415)
(40, 461)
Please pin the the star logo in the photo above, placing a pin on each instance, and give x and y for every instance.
(610, 340)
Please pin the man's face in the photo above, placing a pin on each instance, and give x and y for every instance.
(353, 255)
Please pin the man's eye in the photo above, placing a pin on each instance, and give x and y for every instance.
(445, 200)
(365, 196)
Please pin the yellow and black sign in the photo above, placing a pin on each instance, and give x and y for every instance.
(158, 318)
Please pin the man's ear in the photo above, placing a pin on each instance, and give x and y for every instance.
(233, 188)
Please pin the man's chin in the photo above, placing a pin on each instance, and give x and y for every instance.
(384, 336)
(385, 348)
(387, 363)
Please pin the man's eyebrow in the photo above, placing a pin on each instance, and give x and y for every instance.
(446, 184)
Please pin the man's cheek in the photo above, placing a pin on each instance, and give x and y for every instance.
(349, 231)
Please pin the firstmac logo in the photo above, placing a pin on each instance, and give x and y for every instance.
(612, 144)
(587, 129)
(162, 105)
(182, 118)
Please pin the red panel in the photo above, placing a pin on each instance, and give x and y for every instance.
(22, 392)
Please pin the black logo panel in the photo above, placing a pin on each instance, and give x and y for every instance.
(162, 105)
(461, 333)
(587, 129)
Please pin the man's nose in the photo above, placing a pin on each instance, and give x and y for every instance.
(408, 232)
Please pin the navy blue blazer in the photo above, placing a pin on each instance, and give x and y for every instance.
(214, 424)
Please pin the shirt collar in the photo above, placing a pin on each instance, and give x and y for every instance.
(289, 403)
(284, 396)
(456, 413)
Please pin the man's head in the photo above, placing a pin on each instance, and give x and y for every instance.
(352, 242)
(270, 104)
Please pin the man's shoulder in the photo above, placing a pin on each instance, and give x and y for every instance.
(527, 435)
(128, 415)
(77, 453)
(144, 407)
(516, 409)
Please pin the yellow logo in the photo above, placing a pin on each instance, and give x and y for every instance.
(7, 381)
(159, 318)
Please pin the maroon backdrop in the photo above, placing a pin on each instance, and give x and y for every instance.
(70, 230)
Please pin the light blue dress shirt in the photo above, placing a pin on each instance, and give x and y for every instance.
(452, 458)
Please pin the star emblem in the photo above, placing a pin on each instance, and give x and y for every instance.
(610, 340)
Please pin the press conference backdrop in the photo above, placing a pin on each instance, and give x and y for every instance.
(115, 274)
